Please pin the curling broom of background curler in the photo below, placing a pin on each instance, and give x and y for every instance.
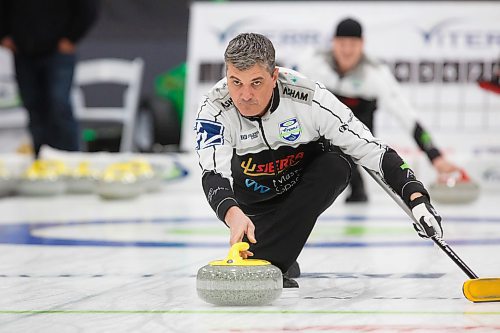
(476, 289)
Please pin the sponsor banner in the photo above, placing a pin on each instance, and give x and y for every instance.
(437, 50)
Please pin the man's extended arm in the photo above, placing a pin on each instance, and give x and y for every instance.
(337, 123)
(394, 101)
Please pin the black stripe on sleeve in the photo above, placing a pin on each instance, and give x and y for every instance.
(343, 123)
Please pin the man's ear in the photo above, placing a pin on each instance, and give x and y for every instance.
(275, 75)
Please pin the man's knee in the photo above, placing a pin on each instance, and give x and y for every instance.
(331, 173)
(337, 169)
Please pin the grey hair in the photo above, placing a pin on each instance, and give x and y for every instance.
(248, 49)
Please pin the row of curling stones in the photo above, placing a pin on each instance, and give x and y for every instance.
(239, 282)
(118, 181)
(454, 188)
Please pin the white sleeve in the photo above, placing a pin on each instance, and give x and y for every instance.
(393, 99)
(215, 149)
(213, 140)
(337, 123)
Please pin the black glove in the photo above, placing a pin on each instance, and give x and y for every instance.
(429, 221)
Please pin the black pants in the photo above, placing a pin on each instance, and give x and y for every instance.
(45, 85)
(356, 183)
(282, 227)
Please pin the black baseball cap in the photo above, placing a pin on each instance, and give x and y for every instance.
(349, 27)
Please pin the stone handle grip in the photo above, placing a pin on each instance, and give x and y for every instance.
(234, 253)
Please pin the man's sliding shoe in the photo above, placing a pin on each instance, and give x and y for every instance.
(289, 283)
(293, 271)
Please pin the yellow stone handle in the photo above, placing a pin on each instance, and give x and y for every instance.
(234, 256)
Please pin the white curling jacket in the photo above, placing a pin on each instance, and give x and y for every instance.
(250, 160)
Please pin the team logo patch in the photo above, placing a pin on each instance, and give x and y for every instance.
(290, 130)
(208, 134)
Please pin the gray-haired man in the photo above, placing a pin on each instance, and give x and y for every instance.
(272, 146)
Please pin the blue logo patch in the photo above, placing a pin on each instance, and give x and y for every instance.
(250, 183)
(290, 130)
(208, 134)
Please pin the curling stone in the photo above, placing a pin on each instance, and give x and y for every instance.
(43, 178)
(455, 188)
(118, 182)
(238, 281)
(145, 175)
(82, 179)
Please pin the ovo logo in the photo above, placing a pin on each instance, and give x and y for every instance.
(250, 183)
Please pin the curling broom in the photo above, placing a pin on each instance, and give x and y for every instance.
(475, 289)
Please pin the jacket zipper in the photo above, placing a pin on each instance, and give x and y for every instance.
(261, 127)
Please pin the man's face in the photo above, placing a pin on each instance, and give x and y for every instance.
(347, 52)
(251, 89)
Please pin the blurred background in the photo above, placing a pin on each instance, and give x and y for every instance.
(443, 53)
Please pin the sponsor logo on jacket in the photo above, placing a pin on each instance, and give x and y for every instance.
(296, 93)
(249, 136)
(343, 128)
(208, 134)
(270, 168)
(290, 129)
(227, 103)
(250, 183)
(287, 181)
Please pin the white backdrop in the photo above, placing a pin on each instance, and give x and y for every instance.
(439, 50)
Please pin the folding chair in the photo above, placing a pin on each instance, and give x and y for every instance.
(113, 71)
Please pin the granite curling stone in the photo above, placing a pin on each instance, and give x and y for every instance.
(457, 188)
(145, 175)
(82, 179)
(43, 178)
(118, 181)
(239, 282)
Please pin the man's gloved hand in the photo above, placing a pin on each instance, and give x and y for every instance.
(429, 221)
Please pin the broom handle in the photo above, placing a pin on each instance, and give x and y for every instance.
(440, 242)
